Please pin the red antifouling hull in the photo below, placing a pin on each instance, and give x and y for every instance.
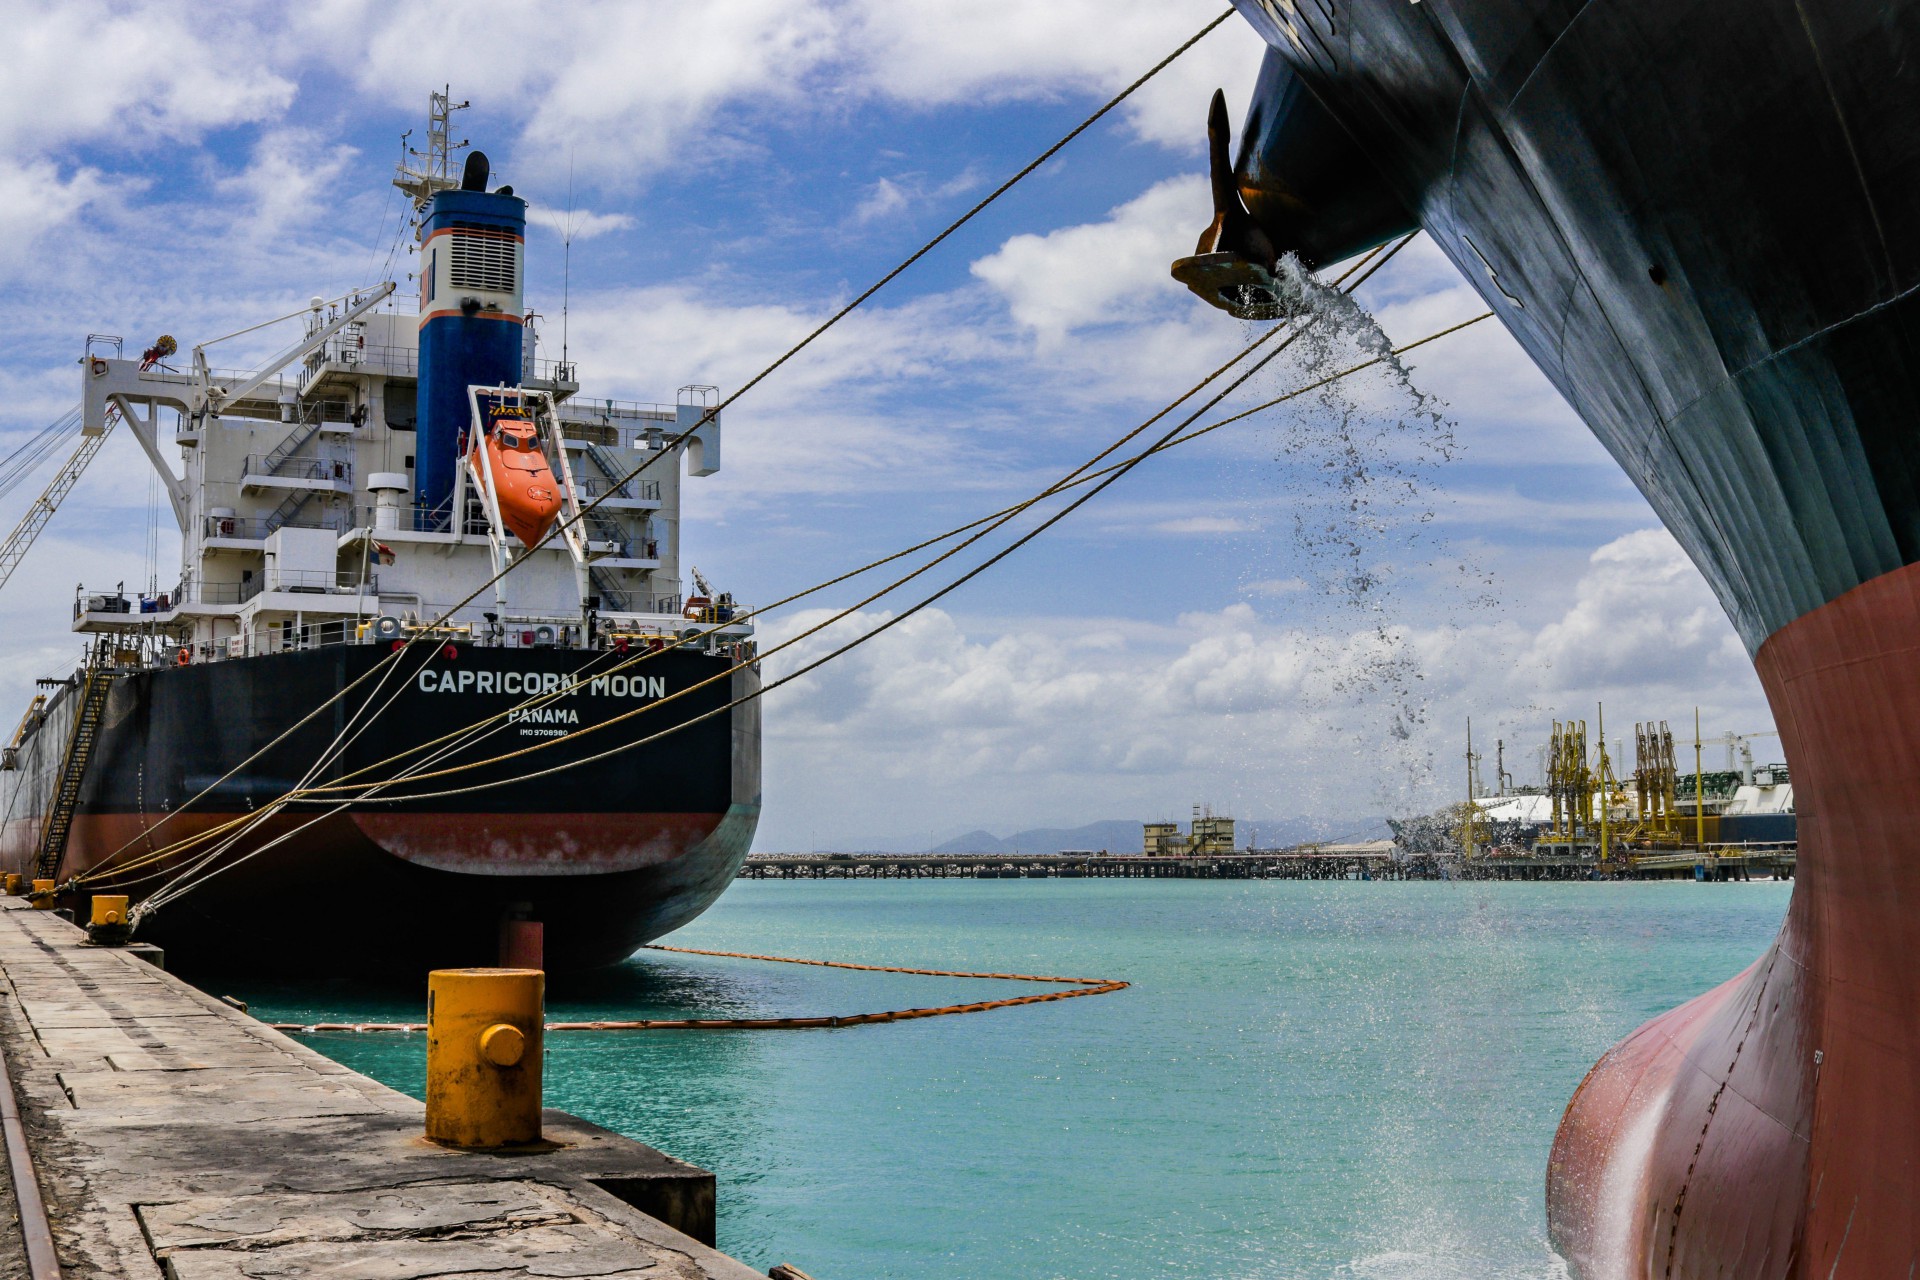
(1771, 1128)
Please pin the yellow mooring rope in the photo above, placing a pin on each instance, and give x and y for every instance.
(1080, 987)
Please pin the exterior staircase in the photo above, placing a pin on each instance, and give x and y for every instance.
(286, 511)
(611, 469)
(73, 770)
(612, 598)
(601, 529)
(296, 441)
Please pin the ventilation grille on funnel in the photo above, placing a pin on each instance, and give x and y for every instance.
(483, 261)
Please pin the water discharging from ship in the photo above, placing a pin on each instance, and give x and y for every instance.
(1356, 459)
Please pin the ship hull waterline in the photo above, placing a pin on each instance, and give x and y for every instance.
(606, 854)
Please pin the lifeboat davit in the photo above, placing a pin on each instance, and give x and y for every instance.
(523, 483)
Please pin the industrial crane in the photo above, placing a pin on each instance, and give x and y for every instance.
(20, 541)
(1744, 742)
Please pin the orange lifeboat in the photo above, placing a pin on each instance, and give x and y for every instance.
(523, 484)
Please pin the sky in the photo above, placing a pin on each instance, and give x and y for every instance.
(1294, 616)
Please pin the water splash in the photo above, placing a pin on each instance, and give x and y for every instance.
(1357, 459)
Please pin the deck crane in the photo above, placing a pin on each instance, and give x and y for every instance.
(20, 541)
(208, 398)
(1745, 743)
(25, 460)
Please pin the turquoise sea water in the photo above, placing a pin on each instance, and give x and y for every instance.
(1305, 1080)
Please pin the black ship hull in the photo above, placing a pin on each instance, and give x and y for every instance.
(1696, 217)
(609, 832)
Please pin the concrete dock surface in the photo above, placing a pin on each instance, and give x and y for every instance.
(176, 1137)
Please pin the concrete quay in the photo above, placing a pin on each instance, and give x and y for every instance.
(176, 1138)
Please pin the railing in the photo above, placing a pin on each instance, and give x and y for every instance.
(404, 362)
(623, 548)
(262, 464)
(643, 604)
(271, 391)
(220, 592)
(601, 526)
(234, 377)
(119, 601)
(371, 357)
(256, 529)
(617, 424)
(646, 490)
(414, 518)
(584, 410)
(317, 582)
(296, 440)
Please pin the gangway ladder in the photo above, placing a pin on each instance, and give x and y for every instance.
(73, 770)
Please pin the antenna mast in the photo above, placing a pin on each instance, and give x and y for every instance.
(436, 169)
(566, 265)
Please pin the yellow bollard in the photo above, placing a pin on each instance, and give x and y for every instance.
(484, 1056)
(13, 884)
(109, 908)
(42, 895)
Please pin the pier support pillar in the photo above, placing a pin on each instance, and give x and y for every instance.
(522, 944)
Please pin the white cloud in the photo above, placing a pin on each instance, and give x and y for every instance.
(128, 75)
(1640, 615)
(938, 52)
(1204, 525)
(1100, 272)
(1071, 719)
(885, 198)
(614, 88)
(620, 90)
(34, 199)
(581, 224)
(890, 196)
(286, 181)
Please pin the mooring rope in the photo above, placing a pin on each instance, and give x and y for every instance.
(1107, 478)
(1080, 476)
(179, 883)
(1080, 987)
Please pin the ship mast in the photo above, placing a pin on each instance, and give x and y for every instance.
(436, 162)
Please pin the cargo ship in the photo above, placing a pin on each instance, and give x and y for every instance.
(419, 565)
(1695, 218)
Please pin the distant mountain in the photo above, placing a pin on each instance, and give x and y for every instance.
(1123, 836)
(1115, 836)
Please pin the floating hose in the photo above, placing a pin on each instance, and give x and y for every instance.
(1079, 987)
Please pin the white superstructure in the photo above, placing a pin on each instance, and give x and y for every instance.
(293, 496)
